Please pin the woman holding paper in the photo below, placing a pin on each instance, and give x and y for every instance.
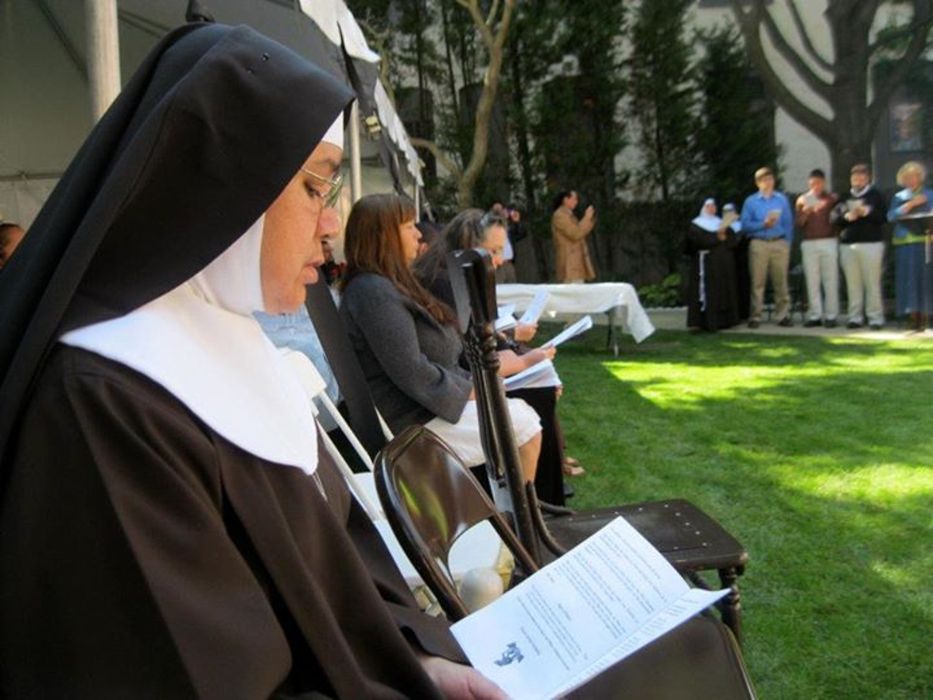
(168, 526)
(407, 340)
(913, 259)
(473, 228)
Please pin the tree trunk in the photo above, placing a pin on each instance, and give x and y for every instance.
(849, 132)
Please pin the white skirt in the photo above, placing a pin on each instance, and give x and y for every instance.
(463, 436)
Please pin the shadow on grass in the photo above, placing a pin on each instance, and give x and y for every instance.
(823, 477)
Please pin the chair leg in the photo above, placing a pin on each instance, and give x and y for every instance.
(730, 607)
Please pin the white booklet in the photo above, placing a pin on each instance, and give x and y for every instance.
(536, 307)
(540, 374)
(574, 329)
(506, 319)
(602, 601)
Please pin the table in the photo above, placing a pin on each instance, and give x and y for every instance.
(618, 300)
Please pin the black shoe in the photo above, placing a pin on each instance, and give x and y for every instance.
(786, 322)
(876, 326)
(568, 491)
(812, 323)
(853, 324)
(753, 324)
(830, 323)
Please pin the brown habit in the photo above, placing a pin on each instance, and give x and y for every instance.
(173, 564)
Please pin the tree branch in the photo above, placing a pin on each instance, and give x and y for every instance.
(805, 37)
(441, 157)
(902, 32)
(472, 6)
(815, 82)
(918, 43)
(493, 11)
(749, 23)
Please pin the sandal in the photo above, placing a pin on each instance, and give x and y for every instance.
(571, 467)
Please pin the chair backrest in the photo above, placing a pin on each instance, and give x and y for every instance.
(350, 378)
(472, 278)
(430, 500)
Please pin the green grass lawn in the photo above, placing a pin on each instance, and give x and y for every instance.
(817, 453)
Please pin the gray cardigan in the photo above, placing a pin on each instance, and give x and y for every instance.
(410, 360)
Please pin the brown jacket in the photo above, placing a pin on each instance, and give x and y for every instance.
(573, 256)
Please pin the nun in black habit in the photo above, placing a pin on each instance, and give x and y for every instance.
(712, 302)
(168, 526)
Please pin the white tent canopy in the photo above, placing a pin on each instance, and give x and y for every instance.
(45, 111)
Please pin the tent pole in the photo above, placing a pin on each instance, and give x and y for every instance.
(417, 202)
(356, 158)
(103, 54)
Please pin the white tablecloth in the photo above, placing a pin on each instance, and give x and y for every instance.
(584, 299)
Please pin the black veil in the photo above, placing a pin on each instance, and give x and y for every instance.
(200, 141)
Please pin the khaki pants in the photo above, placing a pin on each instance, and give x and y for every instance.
(821, 267)
(862, 264)
(769, 258)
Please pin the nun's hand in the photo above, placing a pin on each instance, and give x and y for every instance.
(459, 682)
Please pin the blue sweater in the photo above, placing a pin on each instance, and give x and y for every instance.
(755, 211)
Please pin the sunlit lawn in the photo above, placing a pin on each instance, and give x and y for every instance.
(817, 454)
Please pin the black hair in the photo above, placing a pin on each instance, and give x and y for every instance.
(816, 172)
(559, 199)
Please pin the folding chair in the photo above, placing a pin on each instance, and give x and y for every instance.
(431, 500)
(480, 549)
(690, 539)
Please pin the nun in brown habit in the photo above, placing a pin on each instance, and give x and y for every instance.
(168, 526)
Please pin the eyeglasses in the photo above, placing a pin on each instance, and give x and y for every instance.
(334, 185)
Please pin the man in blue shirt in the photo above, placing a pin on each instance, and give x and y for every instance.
(767, 220)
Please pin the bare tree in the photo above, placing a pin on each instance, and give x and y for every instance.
(493, 28)
(849, 131)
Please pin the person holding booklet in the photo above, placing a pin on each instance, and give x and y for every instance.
(472, 228)
(912, 245)
(711, 289)
(407, 340)
(820, 251)
(861, 215)
(170, 526)
(767, 220)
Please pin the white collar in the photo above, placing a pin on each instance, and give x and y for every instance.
(201, 343)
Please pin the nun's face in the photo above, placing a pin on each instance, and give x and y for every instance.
(296, 225)
(709, 209)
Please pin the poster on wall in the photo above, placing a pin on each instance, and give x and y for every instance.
(906, 130)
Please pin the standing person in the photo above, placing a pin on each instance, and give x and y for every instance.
(11, 235)
(572, 255)
(711, 295)
(767, 220)
(740, 253)
(913, 259)
(820, 250)
(861, 247)
(407, 341)
(170, 526)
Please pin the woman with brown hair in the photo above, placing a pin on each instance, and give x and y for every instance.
(406, 339)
